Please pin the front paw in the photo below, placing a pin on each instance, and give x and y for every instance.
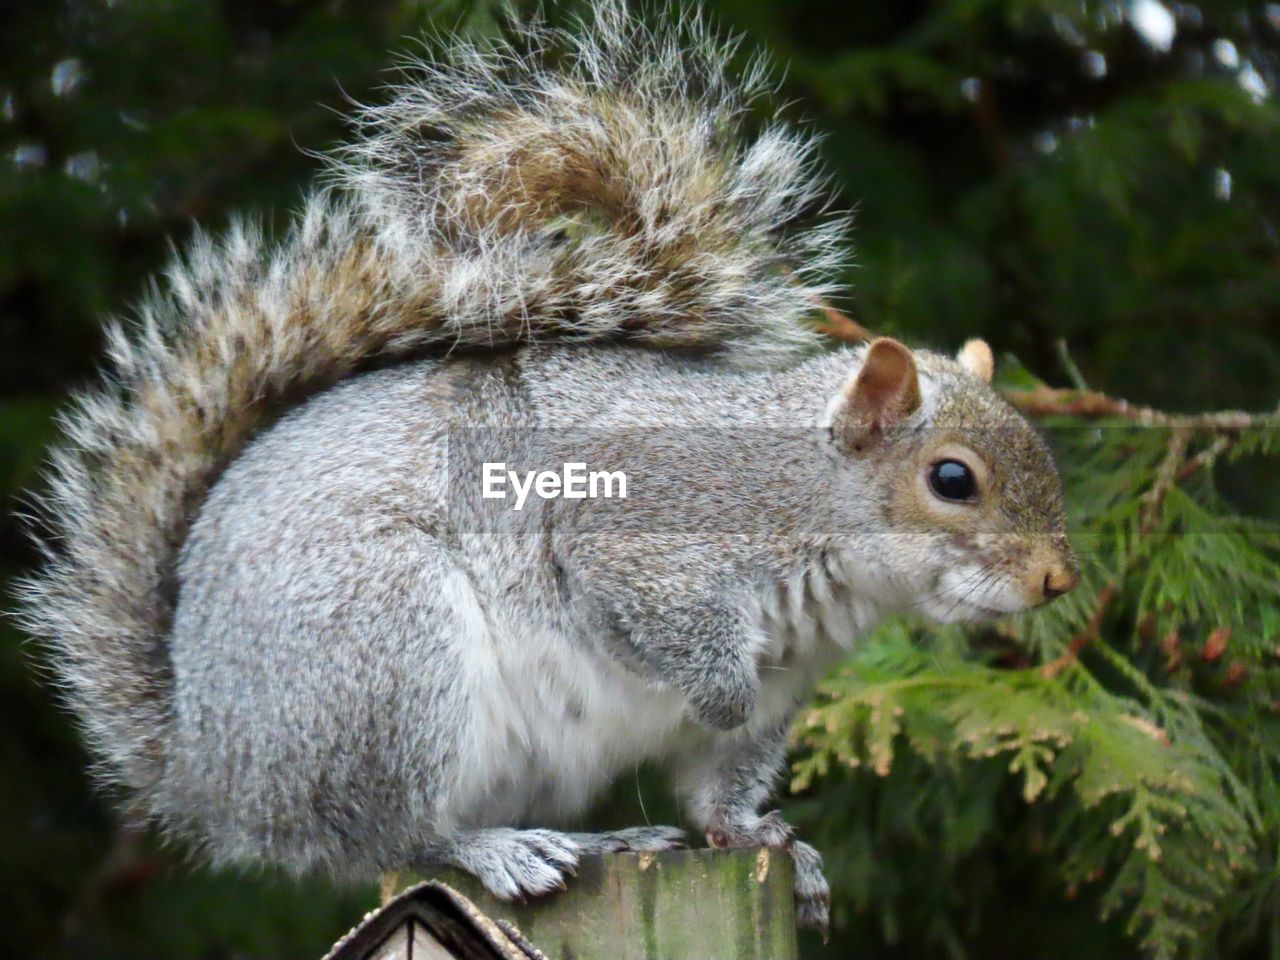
(769, 830)
(631, 840)
(813, 896)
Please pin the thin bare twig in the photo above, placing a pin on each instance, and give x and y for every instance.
(1051, 401)
(840, 326)
(1082, 639)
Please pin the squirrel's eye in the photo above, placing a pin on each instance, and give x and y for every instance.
(952, 480)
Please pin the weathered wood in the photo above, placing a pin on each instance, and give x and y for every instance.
(681, 905)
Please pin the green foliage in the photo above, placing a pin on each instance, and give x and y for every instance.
(1157, 745)
(1142, 775)
(1032, 171)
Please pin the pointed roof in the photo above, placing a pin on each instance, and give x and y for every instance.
(432, 921)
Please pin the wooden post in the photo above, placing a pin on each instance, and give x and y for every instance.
(680, 905)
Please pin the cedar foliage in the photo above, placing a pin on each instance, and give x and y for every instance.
(1095, 779)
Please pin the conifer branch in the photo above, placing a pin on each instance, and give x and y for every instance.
(1086, 635)
(1167, 474)
(1208, 456)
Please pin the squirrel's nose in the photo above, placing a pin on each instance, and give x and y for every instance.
(1058, 579)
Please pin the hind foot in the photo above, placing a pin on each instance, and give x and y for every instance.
(512, 864)
(632, 840)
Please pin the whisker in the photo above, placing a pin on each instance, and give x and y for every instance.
(955, 586)
(983, 585)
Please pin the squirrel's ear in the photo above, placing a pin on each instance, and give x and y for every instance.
(885, 391)
(975, 356)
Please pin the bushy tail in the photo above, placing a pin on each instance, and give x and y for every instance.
(596, 187)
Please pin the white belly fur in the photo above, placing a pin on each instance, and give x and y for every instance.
(549, 724)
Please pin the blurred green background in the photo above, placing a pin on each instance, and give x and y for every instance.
(1033, 171)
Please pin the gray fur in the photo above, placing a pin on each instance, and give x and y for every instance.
(429, 675)
(501, 196)
(303, 641)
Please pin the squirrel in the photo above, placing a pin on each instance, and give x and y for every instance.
(293, 631)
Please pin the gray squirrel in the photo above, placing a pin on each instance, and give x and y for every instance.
(292, 640)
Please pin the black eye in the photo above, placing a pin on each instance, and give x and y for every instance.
(952, 480)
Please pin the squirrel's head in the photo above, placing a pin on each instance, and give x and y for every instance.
(965, 488)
